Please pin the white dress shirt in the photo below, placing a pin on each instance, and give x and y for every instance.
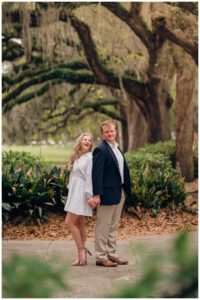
(119, 157)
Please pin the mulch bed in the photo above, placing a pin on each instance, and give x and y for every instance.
(167, 221)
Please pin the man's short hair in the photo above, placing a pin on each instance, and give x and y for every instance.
(108, 123)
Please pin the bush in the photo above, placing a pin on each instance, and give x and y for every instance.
(168, 149)
(195, 158)
(154, 182)
(21, 161)
(31, 188)
(179, 283)
(31, 277)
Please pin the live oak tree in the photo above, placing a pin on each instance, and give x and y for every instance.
(185, 36)
(146, 100)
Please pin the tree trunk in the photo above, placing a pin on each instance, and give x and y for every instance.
(165, 102)
(153, 109)
(26, 37)
(123, 134)
(165, 70)
(186, 76)
(138, 131)
(154, 118)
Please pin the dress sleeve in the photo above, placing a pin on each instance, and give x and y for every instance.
(68, 185)
(88, 182)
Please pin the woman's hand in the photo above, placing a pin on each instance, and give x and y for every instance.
(92, 203)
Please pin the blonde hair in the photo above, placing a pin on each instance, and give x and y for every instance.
(108, 123)
(77, 150)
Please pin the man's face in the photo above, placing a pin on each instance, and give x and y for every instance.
(109, 133)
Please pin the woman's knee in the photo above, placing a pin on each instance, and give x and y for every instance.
(69, 222)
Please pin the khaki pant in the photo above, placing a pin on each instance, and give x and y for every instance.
(107, 222)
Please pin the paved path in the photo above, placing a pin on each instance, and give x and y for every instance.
(91, 281)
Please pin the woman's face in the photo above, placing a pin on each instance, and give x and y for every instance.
(86, 143)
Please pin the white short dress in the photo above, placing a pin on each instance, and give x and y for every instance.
(80, 186)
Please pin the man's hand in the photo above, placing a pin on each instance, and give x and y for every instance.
(96, 200)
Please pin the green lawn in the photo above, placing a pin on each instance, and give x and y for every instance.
(56, 154)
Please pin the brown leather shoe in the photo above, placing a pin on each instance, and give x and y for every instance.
(106, 263)
(119, 261)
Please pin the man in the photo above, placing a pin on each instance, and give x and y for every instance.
(111, 181)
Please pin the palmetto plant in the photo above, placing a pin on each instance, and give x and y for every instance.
(32, 192)
(154, 182)
(156, 189)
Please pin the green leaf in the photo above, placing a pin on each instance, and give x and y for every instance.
(40, 211)
(31, 211)
(6, 206)
(16, 204)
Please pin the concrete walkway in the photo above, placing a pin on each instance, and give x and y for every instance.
(91, 281)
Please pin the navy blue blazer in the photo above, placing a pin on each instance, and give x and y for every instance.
(106, 177)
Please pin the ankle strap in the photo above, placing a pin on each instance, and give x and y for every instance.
(79, 249)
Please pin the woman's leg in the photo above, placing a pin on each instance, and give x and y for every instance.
(82, 230)
(71, 223)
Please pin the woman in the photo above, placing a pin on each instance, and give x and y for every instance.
(80, 192)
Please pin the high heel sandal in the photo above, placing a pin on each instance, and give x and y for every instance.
(81, 261)
(87, 252)
(76, 262)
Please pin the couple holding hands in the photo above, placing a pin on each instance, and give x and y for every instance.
(98, 180)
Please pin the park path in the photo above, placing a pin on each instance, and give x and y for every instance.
(98, 282)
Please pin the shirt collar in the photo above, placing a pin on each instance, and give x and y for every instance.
(113, 146)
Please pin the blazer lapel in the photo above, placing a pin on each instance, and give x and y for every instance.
(121, 153)
(113, 155)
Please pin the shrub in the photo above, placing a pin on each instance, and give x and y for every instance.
(168, 149)
(31, 277)
(154, 182)
(31, 190)
(156, 282)
(21, 161)
(195, 158)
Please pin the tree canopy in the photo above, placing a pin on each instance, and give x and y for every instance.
(63, 55)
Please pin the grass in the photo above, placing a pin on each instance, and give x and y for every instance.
(56, 154)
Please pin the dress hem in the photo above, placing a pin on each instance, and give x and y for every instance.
(78, 214)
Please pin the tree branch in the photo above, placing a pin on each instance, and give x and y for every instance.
(103, 75)
(138, 27)
(96, 106)
(75, 65)
(66, 75)
(11, 50)
(191, 7)
(132, 20)
(135, 8)
(159, 25)
(25, 98)
(91, 54)
(77, 110)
